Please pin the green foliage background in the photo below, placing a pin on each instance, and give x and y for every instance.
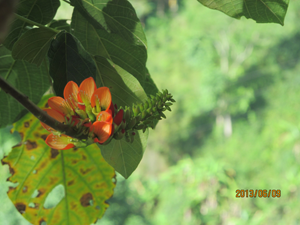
(235, 125)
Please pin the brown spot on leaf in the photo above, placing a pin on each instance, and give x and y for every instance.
(24, 190)
(70, 182)
(82, 171)
(31, 145)
(11, 189)
(54, 153)
(44, 136)
(41, 221)
(85, 199)
(18, 145)
(11, 170)
(40, 192)
(36, 135)
(26, 124)
(53, 180)
(73, 205)
(74, 161)
(83, 157)
(21, 207)
(22, 135)
(75, 149)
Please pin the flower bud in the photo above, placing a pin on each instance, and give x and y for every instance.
(131, 124)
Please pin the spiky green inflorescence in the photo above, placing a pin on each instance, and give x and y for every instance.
(144, 115)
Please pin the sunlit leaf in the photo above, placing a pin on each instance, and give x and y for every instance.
(40, 11)
(97, 41)
(262, 11)
(57, 187)
(60, 25)
(69, 62)
(125, 89)
(115, 16)
(123, 156)
(31, 80)
(149, 85)
(33, 51)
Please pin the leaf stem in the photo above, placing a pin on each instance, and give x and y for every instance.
(34, 23)
(38, 113)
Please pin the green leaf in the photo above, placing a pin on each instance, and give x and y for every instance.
(60, 25)
(40, 11)
(33, 45)
(29, 79)
(123, 156)
(125, 89)
(262, 11)
(115, 16)
(57, 187)
(69, 62)
(149, 85)
(130, 57)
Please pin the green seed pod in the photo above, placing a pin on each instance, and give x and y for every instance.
(119, 135)
(138, 117)
(144, 114)
(168, 104)
(131, 124)
(172, 100)
(131, 138)
(146, 105)
(139, 127)
(149, 103)
(127, 114)
(141, 107)
(162, 115)
(168, 108)
(135, 110)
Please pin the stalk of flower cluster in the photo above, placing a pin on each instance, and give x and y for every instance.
(144, 115)
(38, 113)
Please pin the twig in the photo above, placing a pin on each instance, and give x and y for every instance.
(38, 113)
(34, 23)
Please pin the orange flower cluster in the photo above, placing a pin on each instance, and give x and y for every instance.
(86, 106)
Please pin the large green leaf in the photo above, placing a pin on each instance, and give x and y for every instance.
(262, 11)
(130, 57)
(57, 187)
(69, 62)
(123, 156)
(31, 80)
(125, 89)
(149, 85)
(115, 16)
(40, 11)
(33, 51)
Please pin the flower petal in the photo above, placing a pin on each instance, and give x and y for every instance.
(104, 96)
(61, 142)
(87, 87)
(102, 130)
(104, 117)
(71, 92)
(119, 117)
(60, 105)
(54, 114)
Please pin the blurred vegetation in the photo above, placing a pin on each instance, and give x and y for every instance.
(236, 123)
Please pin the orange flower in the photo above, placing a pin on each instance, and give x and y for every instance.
(55, 140)
(102, 131)
(101, 99)
(87, 105)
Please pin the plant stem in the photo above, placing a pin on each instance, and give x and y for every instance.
(34, 23)
(37, 112)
